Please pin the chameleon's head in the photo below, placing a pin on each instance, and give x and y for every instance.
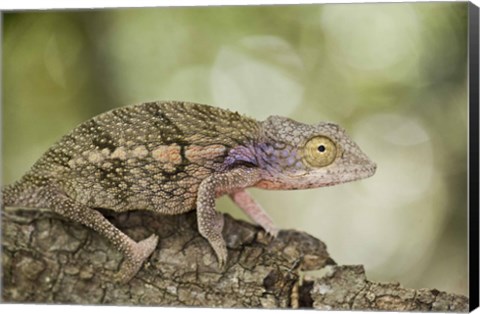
(294, 155)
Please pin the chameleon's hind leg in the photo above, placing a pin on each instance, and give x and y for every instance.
(134, 253)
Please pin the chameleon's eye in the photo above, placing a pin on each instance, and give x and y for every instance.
(320, 151)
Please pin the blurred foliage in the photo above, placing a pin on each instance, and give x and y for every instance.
(394, 75)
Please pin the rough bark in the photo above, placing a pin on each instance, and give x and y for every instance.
(49, 260)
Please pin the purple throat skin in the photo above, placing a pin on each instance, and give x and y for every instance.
(174, 157)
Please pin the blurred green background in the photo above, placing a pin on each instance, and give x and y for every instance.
(394, 75)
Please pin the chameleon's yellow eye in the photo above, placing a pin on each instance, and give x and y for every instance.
(320, 151)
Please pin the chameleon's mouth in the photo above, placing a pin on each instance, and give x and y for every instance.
(358, 172)
(347, 174)
(321, 179)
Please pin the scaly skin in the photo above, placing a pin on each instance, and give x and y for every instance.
(173, 157)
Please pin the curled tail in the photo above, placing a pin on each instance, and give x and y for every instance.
(23, 193)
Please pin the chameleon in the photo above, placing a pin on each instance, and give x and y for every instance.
(173, 157)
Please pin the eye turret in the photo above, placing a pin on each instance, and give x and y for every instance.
(320, 151)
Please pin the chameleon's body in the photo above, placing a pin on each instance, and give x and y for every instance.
(173, 157)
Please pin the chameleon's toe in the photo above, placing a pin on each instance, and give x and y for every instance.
(222, 259)
(221, 252)
(272, 232)
(134, 261)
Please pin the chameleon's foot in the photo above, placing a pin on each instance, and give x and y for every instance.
(210, 225)
(215, 238)
(134, 260)
(220, 248)
(271, 231)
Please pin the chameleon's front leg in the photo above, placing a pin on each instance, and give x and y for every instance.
(210, 222)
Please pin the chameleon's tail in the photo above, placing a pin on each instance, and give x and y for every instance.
(21, 194)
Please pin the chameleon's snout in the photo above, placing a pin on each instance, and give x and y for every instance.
(369, 167)
(373, 168)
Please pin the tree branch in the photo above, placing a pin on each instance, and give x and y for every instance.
(49, 260)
